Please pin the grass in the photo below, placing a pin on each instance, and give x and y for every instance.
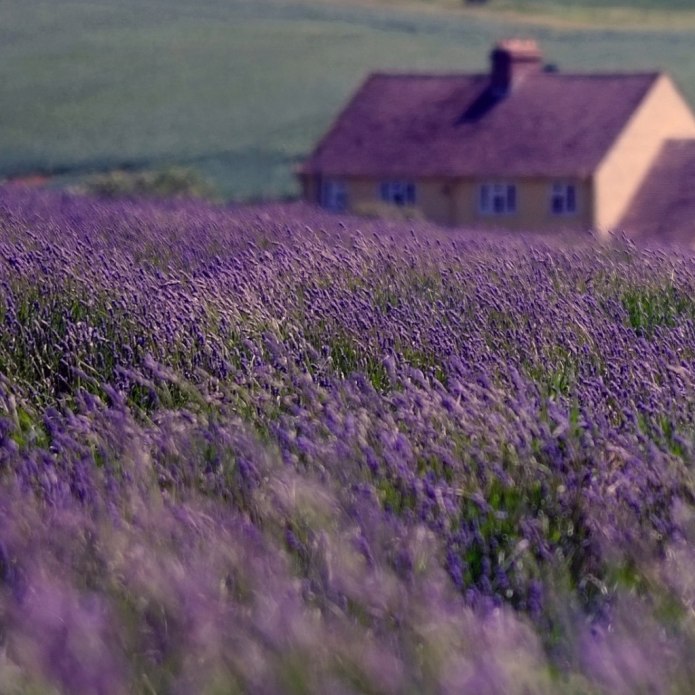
(239, 90)
(592, 13)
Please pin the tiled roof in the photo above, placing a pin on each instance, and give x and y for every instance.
(664, 206)
(452, 125)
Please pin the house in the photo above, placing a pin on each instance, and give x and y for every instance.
(522, 147)
(664, 205)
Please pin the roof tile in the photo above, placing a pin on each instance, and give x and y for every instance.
(452, 125)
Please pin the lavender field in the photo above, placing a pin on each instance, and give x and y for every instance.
(264, 450)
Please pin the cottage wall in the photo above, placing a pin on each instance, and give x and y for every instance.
(309, 186)
(533, 206)
(455, 203)
(433, 200)
(662, 115)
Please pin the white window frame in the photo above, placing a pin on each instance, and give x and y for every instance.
(400, 193)
(564, 193)
(498, 198)
(334, 195)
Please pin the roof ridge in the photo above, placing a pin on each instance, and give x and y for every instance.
(383, 73)
(615, 73)
(460, 75)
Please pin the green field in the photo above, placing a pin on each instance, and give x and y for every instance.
(240, 89)
(592, 11)
(547, 6)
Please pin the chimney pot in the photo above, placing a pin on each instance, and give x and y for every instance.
(512, 60)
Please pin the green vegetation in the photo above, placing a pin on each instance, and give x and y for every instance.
(164, 183)
(650, 307)
(554, 5)
(546, 6)
(239, 90)
(384, 211)
(595, 13)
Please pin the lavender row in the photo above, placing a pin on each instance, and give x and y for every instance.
(493, 432)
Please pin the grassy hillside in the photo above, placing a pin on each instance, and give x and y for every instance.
(616, 14)
(604, 4)
(548, 6)
(240, 89)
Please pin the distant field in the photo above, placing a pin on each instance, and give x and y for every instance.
(593, 12)
(240, 89)
(547, 5)
(638, 4)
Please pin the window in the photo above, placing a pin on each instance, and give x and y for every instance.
(563, 199)
(497, 198)
(398, 192)
(334, 195)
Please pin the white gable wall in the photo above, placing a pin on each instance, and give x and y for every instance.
(662, 115)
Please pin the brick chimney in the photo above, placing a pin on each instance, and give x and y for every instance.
(512, 60)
